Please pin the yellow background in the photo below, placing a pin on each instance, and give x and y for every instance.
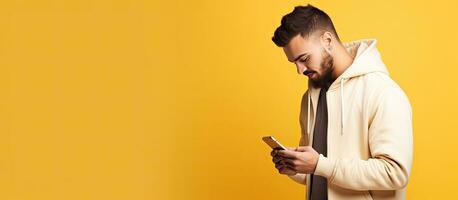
(169, 100)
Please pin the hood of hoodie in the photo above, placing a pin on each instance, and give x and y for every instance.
(366, 59)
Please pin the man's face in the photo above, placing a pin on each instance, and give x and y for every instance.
(311, 59)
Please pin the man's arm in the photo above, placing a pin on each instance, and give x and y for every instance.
(391, 146)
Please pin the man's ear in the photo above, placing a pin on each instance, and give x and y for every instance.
(326, 41)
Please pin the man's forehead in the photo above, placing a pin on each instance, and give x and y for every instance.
(297, 47)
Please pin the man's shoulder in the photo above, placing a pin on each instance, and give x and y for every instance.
(379, 82)
(380, 85)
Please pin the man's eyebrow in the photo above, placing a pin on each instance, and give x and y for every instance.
(297, 58)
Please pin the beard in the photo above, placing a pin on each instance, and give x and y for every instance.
(327, 67)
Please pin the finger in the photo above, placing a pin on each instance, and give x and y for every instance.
(280, 169)
(273, 152)
(303, 148)
(289, 162)
(279, 165)
(276, 159)
(287, 153)
(287, 171)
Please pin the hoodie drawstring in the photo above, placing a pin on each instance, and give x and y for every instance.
(342, 109)
(308, 113)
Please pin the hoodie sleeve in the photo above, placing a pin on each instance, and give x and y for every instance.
(391, 146)
(299, 177)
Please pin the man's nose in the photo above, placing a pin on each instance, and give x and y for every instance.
(300, 67)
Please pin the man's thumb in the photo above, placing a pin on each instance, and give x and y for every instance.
(303, 148)
(291, 148)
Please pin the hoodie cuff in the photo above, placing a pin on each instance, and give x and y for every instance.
(324, 167)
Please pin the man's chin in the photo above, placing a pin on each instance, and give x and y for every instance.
(317, 82)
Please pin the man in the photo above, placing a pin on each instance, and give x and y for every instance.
(356, 122)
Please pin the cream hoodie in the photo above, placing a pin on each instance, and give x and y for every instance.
(370, 142)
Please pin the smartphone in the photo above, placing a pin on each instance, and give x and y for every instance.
(273, 143)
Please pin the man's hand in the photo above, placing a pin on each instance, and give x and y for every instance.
(302, 160)
(280, 164)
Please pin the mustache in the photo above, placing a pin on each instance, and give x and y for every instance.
(307, 72)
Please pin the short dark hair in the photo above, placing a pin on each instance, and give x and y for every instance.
(302, 20)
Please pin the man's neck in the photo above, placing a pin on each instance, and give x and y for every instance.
(342, 60)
